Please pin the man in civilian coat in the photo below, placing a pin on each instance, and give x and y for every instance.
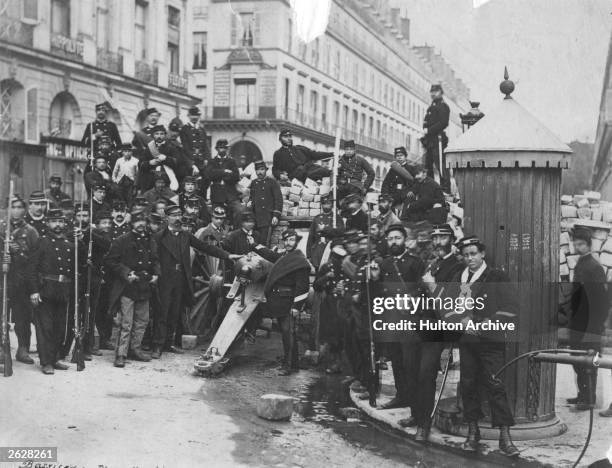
(216, 231)
(242, 240)
(352, 210)
(266, 201)
(223, 174)
(428, 203)
(297, 161)
(173, 246)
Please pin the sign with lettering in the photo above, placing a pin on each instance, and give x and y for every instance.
(71, 48)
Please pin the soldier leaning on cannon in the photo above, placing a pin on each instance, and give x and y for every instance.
(173, 246)
(297, 162)
(23, 240)
(286, 290)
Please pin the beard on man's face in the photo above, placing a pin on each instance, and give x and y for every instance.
(397, 249)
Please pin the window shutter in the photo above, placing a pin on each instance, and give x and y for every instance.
(256, 30)
(31, 132)
(233, 41)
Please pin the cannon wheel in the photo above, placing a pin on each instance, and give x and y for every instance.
(208, 303)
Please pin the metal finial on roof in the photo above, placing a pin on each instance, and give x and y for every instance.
(506, 86)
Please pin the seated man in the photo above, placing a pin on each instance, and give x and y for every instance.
(429, 203)
(297, 161)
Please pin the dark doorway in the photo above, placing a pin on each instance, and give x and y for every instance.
(246, 148)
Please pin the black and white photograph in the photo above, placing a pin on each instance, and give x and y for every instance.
(306, 233)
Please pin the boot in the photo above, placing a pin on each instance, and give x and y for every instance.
(48, 370)
(139, 355)
(60, 365)
(505, 442)
(156, 354)
(573, 401)
(23, 356)
(422, 434)
(473, 437)
(606, 413)
(119, 361)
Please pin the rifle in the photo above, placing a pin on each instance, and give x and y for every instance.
(335, 178)
(89, 268)
(77, 352)
(373, 380)
(6, 344)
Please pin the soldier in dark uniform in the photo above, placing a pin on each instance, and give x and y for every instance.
(297, 161)
(395, 185)
(173, 250)
(196, 212)
(352, 211)
(102, 127)
(189, 190)
(50, 283)
(266, 202)
(438, 275)
(286, 290)
(98, 198)
(54, 194)
(400, 273)
(244, 239)
(353, 167)
(483, 353)
(35, 217)
(216, 231)
(436, 121)
(223, 173)
(429, 203)
(134, 266)
(100, 175)
(321, 222)
(195, 142)
(22, 242)
(120, 224)
(588, 311)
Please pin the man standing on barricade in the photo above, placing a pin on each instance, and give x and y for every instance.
(353, 167)
(266, 201)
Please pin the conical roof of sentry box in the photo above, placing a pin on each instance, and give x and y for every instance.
(508, 127)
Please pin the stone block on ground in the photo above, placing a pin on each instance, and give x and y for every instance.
(189, 341)
(568, 211)
(584, 213)
(275, 407)
(566, 199)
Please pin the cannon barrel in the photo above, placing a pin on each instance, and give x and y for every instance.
(593, 360)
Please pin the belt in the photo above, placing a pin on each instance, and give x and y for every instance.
(282, 289)
(58, 278)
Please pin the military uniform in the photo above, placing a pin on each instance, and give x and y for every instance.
(40, 224)
(195, 143)
(354, 168)
(434, 124)
(240, 242)
(108, 129)
(427, 193)
(25, 238)
(267, 202)
(397, 186)
(51, 274)
(118, 230)
(223, 189)
(314, 244)
(56, 198)
(137, 253)
(298, 161)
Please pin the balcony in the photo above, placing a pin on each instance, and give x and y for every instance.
(61, 128)
(64, 148)
(67, 47)
(146, 72)
(111, 61)
(178, 82)
(13, 30)
(12, 129)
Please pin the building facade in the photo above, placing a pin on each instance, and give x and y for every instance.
(255, 76)
(602, 170)
(58, 58)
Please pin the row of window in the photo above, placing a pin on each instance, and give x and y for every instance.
(344, 66)
(314, 109)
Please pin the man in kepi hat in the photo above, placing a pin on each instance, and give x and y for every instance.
(266, 202)
(23, 239)
(102, 127)
(50, 283)
(286, 290)
(483, 352)
(587, 309)
(158, 157)
(195, 142)
(216, 231)
(35, 217)
(434, 124)
(316, 239)
(297, 161)
(54, 193)
(354, 167)
(399, 180)
(224, 175)
(133, 263)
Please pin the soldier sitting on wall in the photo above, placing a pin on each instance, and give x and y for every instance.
(297, 162)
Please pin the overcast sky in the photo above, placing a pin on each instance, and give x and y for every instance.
(555, 51)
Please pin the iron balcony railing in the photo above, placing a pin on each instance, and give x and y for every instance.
(111, 61)
(12, 129)
(146, 72)
(14, 30)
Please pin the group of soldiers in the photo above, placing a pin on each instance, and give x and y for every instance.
(151, 202)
